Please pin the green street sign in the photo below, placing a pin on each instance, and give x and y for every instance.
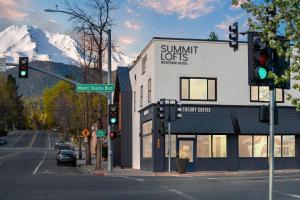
(95, 87)
(101, 133)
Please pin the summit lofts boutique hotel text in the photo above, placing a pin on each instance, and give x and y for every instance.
(219, 128)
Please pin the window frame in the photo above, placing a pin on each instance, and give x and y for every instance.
(144, 62)
(149, 90)
(259, 101)
(212, 155)
(268, 146)
(147, 135)
(207, 91)
(141, 96)
(134, 101)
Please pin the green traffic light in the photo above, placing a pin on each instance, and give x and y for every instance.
(113, 120)
(261, 73)
(23, 73)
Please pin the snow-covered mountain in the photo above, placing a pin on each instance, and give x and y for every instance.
(37, 44)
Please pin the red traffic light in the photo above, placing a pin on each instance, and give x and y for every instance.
(113, 135)
(263, 58)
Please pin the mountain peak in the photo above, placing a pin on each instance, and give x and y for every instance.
(38, 44)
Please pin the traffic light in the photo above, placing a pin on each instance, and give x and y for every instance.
(234, 36)
(160, 109)
(23, 67)
(259, 60)
(113, 135)
(113, 114)
(178, 110)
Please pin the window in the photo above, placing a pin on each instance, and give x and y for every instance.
(288, 146)
(219, 146)
(134, 101)
(173, 146)
(144, 61)
(260, 146)
(149, 90)
(141, 96)
(211, 146)
(245, 146)
(261, 94)
(147, 139)
(201, 89)
(257, 146)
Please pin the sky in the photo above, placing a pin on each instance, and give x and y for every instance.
(136, 21)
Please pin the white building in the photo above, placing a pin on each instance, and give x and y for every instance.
(220, 128)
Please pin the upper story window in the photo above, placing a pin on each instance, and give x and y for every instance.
(200, 89)
(144, 62)
(134, 101)
(261, 94)
(149, 90)
(141, 96)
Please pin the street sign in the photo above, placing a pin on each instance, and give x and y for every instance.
(2, 64)
(101, 133)
(85, 133)
(95, 87)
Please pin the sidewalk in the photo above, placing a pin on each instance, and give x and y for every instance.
(117, 171)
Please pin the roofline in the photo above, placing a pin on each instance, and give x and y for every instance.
(178, 39)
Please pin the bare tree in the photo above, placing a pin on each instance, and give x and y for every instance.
(91, 19)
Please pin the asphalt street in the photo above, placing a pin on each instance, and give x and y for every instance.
(28, 171)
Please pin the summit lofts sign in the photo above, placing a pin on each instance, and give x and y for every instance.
(176, 54)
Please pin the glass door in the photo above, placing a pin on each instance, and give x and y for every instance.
(186, 150)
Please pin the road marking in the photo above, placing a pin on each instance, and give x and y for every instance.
(33, 140)
(37, 168)
(17, 139)
(289, 195)
(131, 178)
(179, 193)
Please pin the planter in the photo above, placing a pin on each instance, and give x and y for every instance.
(181, 165)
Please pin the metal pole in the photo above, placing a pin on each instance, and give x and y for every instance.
(169, 130)
(109, 166)
(271, 149)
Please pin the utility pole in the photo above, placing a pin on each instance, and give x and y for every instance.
(109, 101)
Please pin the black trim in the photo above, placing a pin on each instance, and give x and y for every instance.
(193, 39)
(149, 90)
(141, 96)
(189, 86)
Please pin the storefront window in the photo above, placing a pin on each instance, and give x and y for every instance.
(204, 146)
(173, 146)
(245, 146)
(260, 146)
(277, 146)
(219, 146)
(147, 139)
(288, 146)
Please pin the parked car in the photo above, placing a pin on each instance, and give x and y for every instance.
(58, 143)
(63, 147)
(66, 157)
(3, 141)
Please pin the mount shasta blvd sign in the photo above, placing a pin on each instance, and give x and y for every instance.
(95, 87)
(176, 54)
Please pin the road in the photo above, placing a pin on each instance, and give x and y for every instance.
(28, 171)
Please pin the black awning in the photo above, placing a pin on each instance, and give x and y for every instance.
(202, 123)
(287, 124)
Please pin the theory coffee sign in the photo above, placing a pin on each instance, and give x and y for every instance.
(176, 54)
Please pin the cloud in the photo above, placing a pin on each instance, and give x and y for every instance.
(125, 40)
(228, 21)
(132, 25)
(190, 9)
(129, 10)
(9, 9)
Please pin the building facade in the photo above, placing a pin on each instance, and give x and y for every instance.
(220, 128)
